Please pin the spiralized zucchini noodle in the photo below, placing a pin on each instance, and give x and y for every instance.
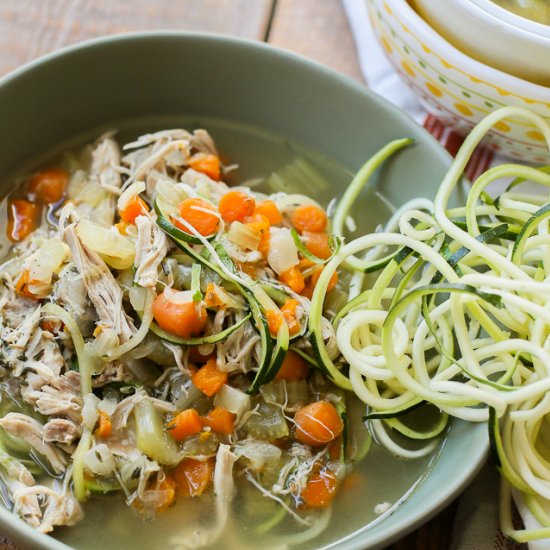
(453, 312)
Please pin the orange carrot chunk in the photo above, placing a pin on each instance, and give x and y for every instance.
(22, 286)
(293, 278)
(270, 211)
(105, 427)
(136, 207)
(23, 218)
(207, 164)
(184, 424)
(312, 282)
(274, 321)
(318, 423)
(294, 367)
(318, 244)
(309, 217)
(193, 476)
(236, 206)
(220, 420)
(320, 489)
(289, 312)
(182, 318)
(209, 379)
(196, 212)
(49, 185)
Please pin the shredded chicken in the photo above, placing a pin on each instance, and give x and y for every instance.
(103, 290)
(61, 430)
(31, 431)
(151, 249)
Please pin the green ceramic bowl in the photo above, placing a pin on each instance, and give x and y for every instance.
(108, 82)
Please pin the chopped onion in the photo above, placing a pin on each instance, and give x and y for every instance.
(99, 460)
(283, 253)
(138, 297)
(235, 401)
(267, 422)
(244, 236)
(178, 297)
(89, 411)
(117, 250)
(259, 453)
(46, 261)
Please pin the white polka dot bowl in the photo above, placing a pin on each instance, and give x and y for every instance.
(456, 88)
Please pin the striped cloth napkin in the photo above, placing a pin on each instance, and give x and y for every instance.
(476, 524)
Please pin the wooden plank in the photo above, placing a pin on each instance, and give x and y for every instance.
(318, 30)
(30, 28)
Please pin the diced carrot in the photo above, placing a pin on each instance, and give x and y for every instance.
(136, 207)
(312, 282)
(318, 244)
(159, 495)
(335, 448)
(274, 320)
(196, 212)
(320, 489)
(220, 420)
(193, 476)
(209, 379)
(184, 424)
(293, 278)
(265, 242)
(318, 423)
(167, 488)
(236, 206)
(48, 185)
(105, 427)
(22, 286)
(294, 367)
(212, 298)
(207, 164)
(309, 217)
(23, 219)
(195, 356)
(182, 318)
(51, 325)
(270, 211)
(261, 224)
(289, 312)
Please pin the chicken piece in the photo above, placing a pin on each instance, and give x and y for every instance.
(105, 173)
(16, 476)
(103, 289)
(62, 509)
(54, 395)
(61, 430)
(151, 248)
(69, 292)
(31, 431)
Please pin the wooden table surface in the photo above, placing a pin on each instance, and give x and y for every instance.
(317, 29)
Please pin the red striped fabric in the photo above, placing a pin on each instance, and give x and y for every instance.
(451, 140)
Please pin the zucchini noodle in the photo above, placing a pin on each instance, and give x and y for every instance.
(456, 316)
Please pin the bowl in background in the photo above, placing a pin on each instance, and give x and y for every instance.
(456, 88)
(69, 95)
(492, 35)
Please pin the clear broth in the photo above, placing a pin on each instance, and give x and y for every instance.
(380, 478)
(535, 10)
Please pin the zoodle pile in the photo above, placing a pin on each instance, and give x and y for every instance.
(154, 341)
(450, 307)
